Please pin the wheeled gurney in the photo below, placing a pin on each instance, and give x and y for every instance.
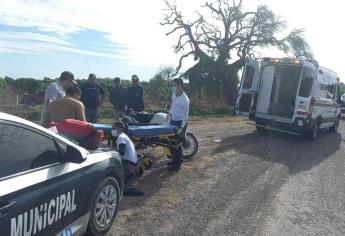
(144, 136)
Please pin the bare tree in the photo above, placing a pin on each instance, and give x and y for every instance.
(222, 41)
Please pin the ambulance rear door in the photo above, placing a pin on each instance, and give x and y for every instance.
(247, 95)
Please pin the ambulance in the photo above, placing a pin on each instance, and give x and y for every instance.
(295, 96)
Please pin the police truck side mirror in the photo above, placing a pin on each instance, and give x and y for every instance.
(74, 155)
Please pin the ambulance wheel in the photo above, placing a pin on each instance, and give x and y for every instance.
(104, 207)
(335, 127)
(313, 133)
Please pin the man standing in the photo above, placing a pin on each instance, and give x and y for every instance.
(179, 109)
(179, 112)
(117, 97)
(135, 94)
(56, 90)
(66, 108)
(92, 96)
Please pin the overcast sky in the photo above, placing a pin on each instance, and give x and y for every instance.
(119, 38)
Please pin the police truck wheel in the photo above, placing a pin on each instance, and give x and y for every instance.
(104, 207)
(335, 127)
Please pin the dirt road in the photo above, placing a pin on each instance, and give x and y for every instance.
(243, 182)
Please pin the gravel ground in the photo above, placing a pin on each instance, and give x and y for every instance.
(243, 182)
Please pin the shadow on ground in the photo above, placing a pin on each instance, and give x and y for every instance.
(151, 183)
(297, 153)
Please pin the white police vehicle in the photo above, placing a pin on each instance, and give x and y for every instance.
(50, 186)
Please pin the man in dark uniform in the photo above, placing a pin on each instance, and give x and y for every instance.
(117, 97)
(135, 94)
(92, 96)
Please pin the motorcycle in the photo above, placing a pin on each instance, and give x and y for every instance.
(190, 143)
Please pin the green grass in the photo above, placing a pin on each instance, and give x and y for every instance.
(107, 113)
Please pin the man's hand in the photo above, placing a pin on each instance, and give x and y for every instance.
(179, 131)
(168, 117)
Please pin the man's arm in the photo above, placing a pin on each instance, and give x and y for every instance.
(46, 118)
(101, 91)
(50, 95)
(122, 148)
(142, 98)
(129, 98)
(111, 97)
(80, 112)
(185, 108)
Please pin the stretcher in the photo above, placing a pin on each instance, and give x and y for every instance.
(146, 131)
(144, 136)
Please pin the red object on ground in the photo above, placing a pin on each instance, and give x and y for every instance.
(82, 132)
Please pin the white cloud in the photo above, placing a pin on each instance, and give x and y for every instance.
(135, 24)
(28, 36)
(38, 43)
(132, 23)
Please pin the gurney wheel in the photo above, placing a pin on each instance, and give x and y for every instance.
(139, 171)
(147, 163)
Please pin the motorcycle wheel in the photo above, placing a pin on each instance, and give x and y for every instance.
(190, 146)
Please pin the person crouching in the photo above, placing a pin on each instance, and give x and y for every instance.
(129, 157)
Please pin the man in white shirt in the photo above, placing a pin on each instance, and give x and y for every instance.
(179, 111)
(179, 108)
(57, 90)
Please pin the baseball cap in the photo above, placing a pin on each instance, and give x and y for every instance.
(67, 75)
(135, 77)
(92, 76)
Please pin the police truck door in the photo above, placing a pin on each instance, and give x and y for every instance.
(246, 100)
(32, 200)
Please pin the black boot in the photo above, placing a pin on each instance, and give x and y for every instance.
(132, 192)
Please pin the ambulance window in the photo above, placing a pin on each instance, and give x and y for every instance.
(23, 149)
(331, 88)
(248, 77)
(306, 83)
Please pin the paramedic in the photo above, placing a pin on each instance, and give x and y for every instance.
(135, 93)
(56, 90)
(92, 96)
(179, 111)
(179, 108)
(68, 107)
(117, 97)
(129, 157)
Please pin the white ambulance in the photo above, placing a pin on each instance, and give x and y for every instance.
(289, 95)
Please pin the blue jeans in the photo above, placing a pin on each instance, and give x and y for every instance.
(178, 123)
(91, 114)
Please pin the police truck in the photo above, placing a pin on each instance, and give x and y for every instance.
(51, 186)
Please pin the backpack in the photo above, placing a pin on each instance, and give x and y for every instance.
(83, 132)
